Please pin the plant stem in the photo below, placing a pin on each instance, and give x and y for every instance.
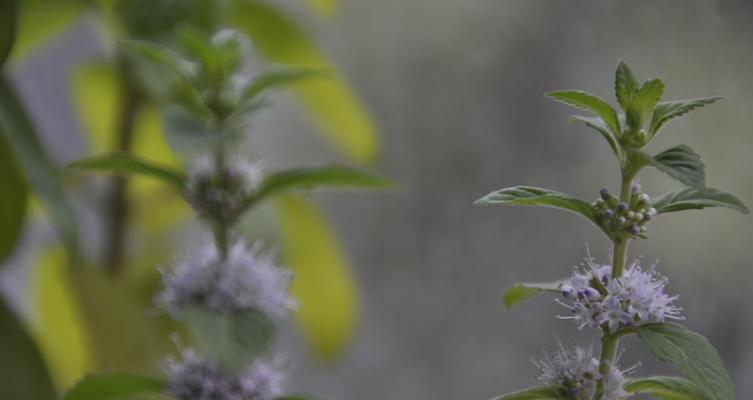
(116, 201)
(221, 228)
(609, 342)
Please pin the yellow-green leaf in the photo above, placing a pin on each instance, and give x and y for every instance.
(332, 103)
(324, 7)
(58, 325)
(323, 280)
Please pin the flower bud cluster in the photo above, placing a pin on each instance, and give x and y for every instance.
(635, 298)
(577, 371)
(221, 194)
(248, 279)
(197, 378)
(627, 218)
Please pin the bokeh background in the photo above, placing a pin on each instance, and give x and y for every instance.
(455, 88)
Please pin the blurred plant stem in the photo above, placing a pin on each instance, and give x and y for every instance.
(116, 201)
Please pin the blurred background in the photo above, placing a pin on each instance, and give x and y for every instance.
(454, 90)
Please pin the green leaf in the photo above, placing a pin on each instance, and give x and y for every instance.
(625, 85)
(235, 339)
(538, 393)
(599, 124)
(114, 387)
(24, 374)
(13, 200)
(683, 164)
(696, 199)
(666, 388)
(282, 77)
(160, 55)
(8, 18)
(692, 354)
(635, 161)
(324, 7)
(643, 103)
(126, 164)
(324, 284)
(42, 175)
(524, 291)
(667, 110)
(332, 103)
(587, 101)
(532, 196)
(322, 176)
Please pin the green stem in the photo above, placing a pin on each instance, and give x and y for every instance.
(610, 343)
(221, 228)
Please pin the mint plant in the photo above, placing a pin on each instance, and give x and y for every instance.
(622, 298)
(228, 291)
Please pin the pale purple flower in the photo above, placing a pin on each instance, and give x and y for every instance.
(577, 370)
(194, 377)
(249, 279)
(635, 298)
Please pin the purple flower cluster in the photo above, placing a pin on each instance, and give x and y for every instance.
(577, 371)
(197, 378)
(248, 279)
(635, 298)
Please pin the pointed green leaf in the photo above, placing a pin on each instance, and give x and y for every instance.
(667, 110)
(696, 199)
(332, 103)
(532, 196)
(524, 291)
(643, 103)
(235, 339)
(41, 174)
(8, 22)
(282, 77)
(625, 85)
(587, 101)
(126, 164)
(116, 386)
(323, 283)
(665, 388)
(13, 200)
(599, 124)
(692, 354)
(159, 55)
(322, 176)
(683, 164)
(538, 393)
(24, 374)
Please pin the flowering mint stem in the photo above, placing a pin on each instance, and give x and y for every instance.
(609, 342)
(221, 228)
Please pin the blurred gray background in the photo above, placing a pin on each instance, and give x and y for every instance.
(456, 88)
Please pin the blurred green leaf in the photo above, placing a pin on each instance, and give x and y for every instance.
(599, 124)
(8, 22)
(683, 164)
(115, 386)
(12, 201)
(234, 339)
(667, 110)
(324, 7)
(40, 20)
(538, 393)
(125, 164)
(323, 280)
(587, 101)
(59, 326)
(24, 374)
(42, 175)
(532, 196)
(643, 102)
(692, 354)
(302, 178)
(696, 199)
(333, 104)
(281, 77)
(625, 85)
(524, 291)
(665, 388)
